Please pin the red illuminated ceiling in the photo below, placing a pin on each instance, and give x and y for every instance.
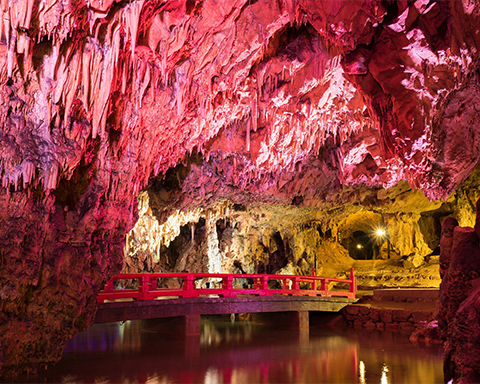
(360, 91)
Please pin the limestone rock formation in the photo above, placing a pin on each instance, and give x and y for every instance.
(274, 102)
(459, 312)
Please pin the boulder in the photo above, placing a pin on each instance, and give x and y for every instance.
(413, 261)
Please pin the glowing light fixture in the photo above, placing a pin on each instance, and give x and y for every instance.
(359, 246)
(380, 232)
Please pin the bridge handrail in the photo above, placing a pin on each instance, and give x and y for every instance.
(148, 289)
(202, 275)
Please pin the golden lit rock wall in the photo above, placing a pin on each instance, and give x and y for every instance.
(255, 231)
(262, 238)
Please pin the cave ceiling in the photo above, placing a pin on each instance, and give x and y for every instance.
(249, 100)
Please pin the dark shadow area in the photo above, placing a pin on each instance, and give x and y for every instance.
(359, 246)
(278, 259)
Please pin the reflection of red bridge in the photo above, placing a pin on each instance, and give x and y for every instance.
(263, 293)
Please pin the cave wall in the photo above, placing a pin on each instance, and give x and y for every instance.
(53, 263)
(285, 103)
(459, 310)
(262, 238)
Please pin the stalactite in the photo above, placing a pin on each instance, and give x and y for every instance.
(247, 136)
(254, 111)
(131, 16)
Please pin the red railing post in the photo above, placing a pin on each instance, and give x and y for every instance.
(227, 286)
(144, 287)
(324, 285)
(263, 285)
(227, 282)
(153, 284)
(109, 286)
(189, 285)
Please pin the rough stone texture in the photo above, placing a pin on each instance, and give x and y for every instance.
(361, 315)
(459, 310)
(426, 333)
(414, 261)
(256, 101)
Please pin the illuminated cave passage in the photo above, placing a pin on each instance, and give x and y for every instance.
(265, 237)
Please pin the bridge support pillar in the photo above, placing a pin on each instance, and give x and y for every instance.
(191, 325)
(292, 319)
(301, 319)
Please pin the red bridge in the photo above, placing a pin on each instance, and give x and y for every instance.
(290, 285)
(209, 294)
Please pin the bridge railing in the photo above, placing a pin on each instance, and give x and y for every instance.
(258, 285)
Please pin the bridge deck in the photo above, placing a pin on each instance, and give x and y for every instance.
(148, 309)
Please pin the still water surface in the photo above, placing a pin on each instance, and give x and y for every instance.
(243, 352)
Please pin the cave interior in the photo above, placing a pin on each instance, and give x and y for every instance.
(223, 136)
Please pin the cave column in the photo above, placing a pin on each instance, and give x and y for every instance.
(213, 251)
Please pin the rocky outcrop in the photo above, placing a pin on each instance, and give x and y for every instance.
(53, 262)
(279, 102)
(459, 312)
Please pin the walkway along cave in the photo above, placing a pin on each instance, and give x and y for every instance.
(236, 137)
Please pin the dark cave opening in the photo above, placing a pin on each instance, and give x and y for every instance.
(277, 259)
(359, 246)
(183, 242)
(222, 225)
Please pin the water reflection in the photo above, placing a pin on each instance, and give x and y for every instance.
(215, 333)
(242, 352)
